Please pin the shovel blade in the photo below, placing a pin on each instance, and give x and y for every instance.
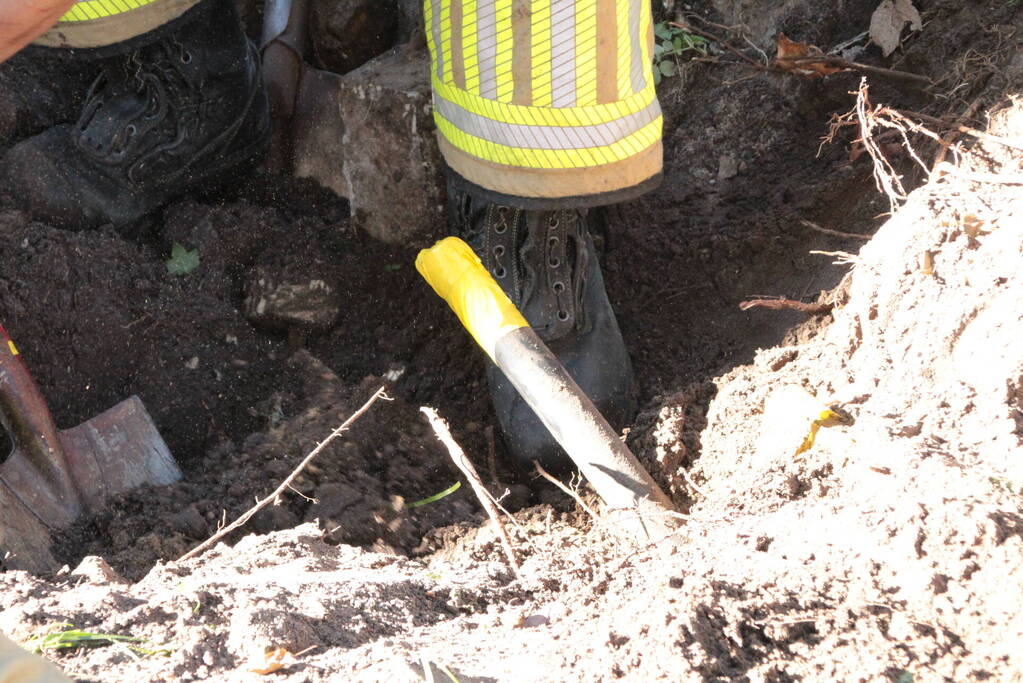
(117, 451)
(111, 453)
(24, 539)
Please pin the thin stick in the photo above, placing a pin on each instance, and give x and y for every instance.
(379, 393)
(995, 178)
(557, 482)
(827, 231)
(440, 428)
(832, 60)
(783, 304)
(979, 134)
(950, 138)
(689, 480)
(492, 457)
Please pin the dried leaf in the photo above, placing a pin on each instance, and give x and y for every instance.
(888, 20)
(790, 53)
(276, 658)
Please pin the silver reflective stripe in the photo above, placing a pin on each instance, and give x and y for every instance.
(563, 52)
(638, 67)
(546, 137)
(438, 49)
(486, 47)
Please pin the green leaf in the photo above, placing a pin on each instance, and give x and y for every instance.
(657, 76)
(668, 68)
(182, 261)
(662, 30)
(678, 44)
(437, 496)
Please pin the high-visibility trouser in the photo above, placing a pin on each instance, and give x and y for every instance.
(547, 99)
(100, 23)
(544, 99)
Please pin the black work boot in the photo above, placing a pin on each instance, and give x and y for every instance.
(189, 108)
(546, 263)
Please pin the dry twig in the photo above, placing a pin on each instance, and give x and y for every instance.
(440, 428)
(828, 231)
(783, 304)
(557, 482)
(379, 393)
(830, 60)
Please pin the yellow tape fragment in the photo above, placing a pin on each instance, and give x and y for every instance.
(458, 277)
(12, 347)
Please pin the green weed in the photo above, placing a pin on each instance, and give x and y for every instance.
(671, 44)
(72, 638)
(437, 496)
(182, 261)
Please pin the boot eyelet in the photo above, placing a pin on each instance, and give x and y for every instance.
(499, 250)
(554, 262)
(559, 287)
(554, 222)
(563, 316)
(552, 242)
(499, 273)
(131, 129)
(501, 228)
(186, 57)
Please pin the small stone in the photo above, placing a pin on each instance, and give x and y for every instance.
(273, 518)
(189, 522)
(333, 499)
(285, 298)
(96, 570)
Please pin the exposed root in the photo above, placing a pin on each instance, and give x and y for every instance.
(286, 484)
(440, 428)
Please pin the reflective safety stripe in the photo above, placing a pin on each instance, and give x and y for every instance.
(97, 9)
(539, 136)
(470, 23)
(563, 54)
(100, 23)
(586, 52)
(486, 46)
(520, 157)
(546, 116)
(638, 47)
(546, 85)
(543, 93)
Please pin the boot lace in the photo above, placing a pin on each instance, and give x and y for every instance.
(159, 77)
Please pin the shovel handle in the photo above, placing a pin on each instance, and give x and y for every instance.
(26, 416)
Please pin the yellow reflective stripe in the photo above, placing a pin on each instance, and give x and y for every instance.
(504, 60)
(551, 159)
(546, 137)
(586, 52)
(445, 40)
(97, 9)
(429, 12)
(543, 88)
(624, 49)
(469, 45)
(546, 116)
